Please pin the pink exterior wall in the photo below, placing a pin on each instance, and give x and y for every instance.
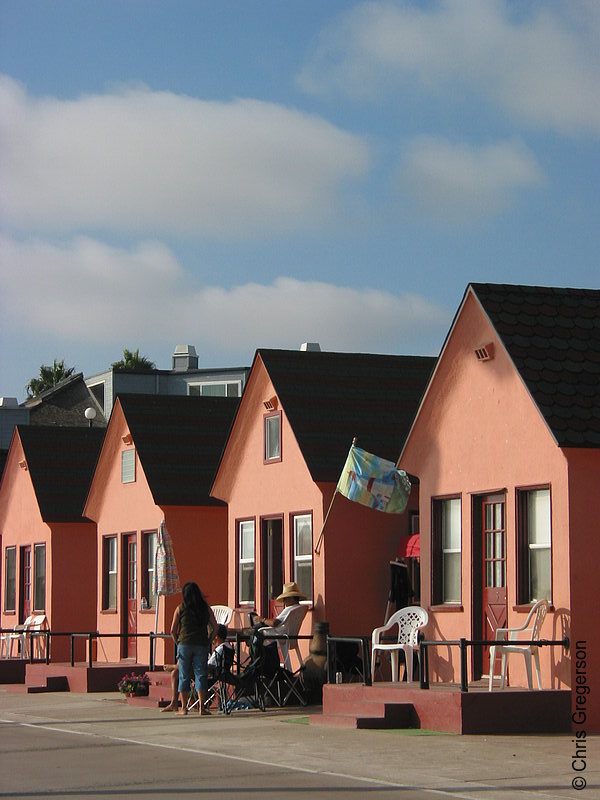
(198, 533)
(584, 555)
(70, 557)
(351, 572)
(478, 432)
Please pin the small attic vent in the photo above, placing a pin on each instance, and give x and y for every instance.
(271, 404)
(485, 353)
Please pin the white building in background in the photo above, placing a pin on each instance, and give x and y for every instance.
(184, 378)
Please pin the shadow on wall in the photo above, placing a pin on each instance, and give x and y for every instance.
(561, 659)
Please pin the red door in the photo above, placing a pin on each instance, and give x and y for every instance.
(494, 571)
(130, 593)
(25, 588)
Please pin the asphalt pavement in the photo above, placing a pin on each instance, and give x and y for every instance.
(67, 745)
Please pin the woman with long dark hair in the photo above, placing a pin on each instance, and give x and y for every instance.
(193, 629)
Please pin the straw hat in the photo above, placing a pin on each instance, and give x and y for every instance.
(291, 590)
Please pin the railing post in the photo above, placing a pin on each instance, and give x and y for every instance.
(47, 634)
(366, 657)
(72, 650)
(90, 649)
(424, 664)
(151, 642)
(464, 687)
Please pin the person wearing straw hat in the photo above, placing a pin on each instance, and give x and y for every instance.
(290, 596)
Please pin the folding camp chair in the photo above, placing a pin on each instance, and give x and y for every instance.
(220, 684)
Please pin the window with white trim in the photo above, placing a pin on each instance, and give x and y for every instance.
(10, 579)
(535, 545)
(215, 389)
(246, 559)
(128, 466)
(39, 577)
(303, 561)
(109, 572)
(273, 437)
(446, 551)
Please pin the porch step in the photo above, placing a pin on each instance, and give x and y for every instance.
(368, 716)
(54, 683)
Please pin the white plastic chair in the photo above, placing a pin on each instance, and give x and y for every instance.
(223, 614)
(410, 621)
(18, 637)
(518, 640)
(35, 638)
(285, 635)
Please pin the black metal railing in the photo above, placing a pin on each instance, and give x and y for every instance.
(463, 644)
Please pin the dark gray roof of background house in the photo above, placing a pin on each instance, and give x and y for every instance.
(61, 463)
(553, 338)
(64, 404)
(179, 441)
(330, 398)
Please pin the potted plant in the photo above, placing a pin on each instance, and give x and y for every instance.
(132, 685)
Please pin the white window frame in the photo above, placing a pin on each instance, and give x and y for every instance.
(270, 455)
(245, 559)
(297, 520)
(10, 582)
(128, 466)
(37, 577)
(111, 572)
(530, 497)
(225, 383)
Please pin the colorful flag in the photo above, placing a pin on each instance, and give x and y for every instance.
(374, 482)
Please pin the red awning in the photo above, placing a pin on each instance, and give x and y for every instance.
(409, 546)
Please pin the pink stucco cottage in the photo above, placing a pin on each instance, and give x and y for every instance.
(157, 463)
(297, 419)
(506, 445)
(48, 545)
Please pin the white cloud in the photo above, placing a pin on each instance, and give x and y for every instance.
(88, 292)
(459, 183)
(540, 61)
(154, 162)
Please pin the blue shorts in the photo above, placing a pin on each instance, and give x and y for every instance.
(193, 662)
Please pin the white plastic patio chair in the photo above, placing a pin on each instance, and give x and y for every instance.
(223, 614)
(35, 638)
(18, 637)
(285, 635)
(410, 621)
(518, 640)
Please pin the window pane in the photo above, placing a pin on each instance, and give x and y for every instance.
(128, 466)
(303, 529)
(151, 558)
(451, 525)
(213, 390)
(247, 583)
(540, 575)
(10, 572)
(451, 591)
(247, 540)
(233, 390)
(39, 597)
(538, 515)
(303, 577)
(111, 572)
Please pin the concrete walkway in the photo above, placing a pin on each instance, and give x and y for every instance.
(79, 745)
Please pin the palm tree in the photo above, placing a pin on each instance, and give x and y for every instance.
(49, 377)
(132, 360)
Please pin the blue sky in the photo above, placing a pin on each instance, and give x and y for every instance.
(244, 174)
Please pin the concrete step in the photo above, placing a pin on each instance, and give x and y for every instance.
(54, 683)
(368, 715)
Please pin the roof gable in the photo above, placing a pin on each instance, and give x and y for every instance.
(61, 463)
(330, 398)
(552, 336)
(179, 441)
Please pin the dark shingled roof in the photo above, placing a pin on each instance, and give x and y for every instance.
(61, 463)
(553, 338)
(330, 398)
(64, 404)
(179, 441)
